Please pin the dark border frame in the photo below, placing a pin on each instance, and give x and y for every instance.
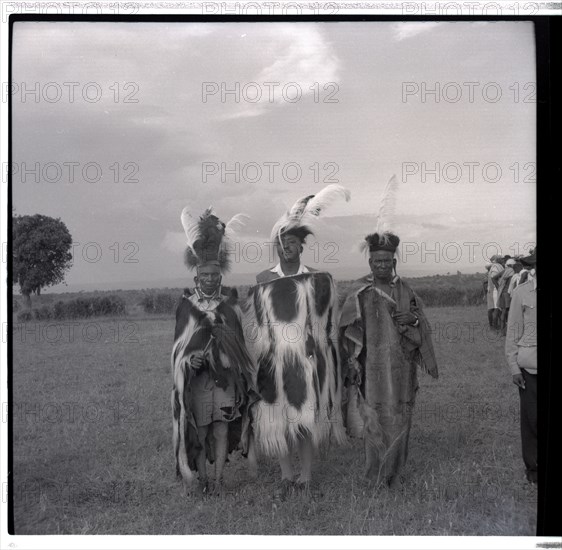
(548, 30)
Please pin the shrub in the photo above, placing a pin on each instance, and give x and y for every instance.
(89, 307)
(159, 302)
(108, 305)
(436, 291)
(25, 316)
(43, 313)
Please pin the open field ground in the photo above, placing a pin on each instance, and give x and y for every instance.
(92, 444)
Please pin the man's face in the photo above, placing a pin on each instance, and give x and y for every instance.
(381, 263)
(290, 248)
(208, 278)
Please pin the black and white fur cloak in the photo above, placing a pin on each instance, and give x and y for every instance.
(291, 332)
(227, 351)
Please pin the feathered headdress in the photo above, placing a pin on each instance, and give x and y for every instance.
(302, 216)
(383, 238)
(209, 240)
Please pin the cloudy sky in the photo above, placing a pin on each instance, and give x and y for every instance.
(118, 126)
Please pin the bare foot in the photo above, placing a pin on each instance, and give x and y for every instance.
(218, 487)
(203, 486)
(253, 471)
(285, 488)
(395, 482)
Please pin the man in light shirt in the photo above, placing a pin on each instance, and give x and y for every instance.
(289, 250)
(292, 374)
(521, 352)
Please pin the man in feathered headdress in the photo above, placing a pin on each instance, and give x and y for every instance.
(211, 365)
(289, 233)
(295, 309)
(384, 335)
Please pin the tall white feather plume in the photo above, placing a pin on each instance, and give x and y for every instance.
(306, 210)
(190, 226)
(385, 218)
(387, 208)
(319, 202)
(298, 208)
(236, 223)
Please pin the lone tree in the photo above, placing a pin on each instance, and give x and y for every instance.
(41, 253)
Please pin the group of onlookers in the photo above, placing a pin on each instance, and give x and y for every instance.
(512, 310)
(505, 273)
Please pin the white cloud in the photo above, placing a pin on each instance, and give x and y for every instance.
(302, 58)
(408, 30)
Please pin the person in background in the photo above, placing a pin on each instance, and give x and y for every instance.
(528, 271)
(517, 267)
(504, 297)
(521, 352)
(495, 271)
(485, 291)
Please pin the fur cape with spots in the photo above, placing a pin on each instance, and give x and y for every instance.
(294, 346)
(227, 352)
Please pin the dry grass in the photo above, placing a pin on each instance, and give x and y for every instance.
(92, 446)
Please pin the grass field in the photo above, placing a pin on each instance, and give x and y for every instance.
(92, 444)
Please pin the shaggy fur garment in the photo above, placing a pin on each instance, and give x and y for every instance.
(291, 331)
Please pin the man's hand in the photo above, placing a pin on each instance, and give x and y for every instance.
(353, 375)
(405, 318)
(519, 381)
(197, 360)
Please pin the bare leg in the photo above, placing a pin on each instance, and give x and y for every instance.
(252, 460)
(305, 455)
(220, 430)
(202, 458)
(497, 321)
(286, 467)
(286, 486)
(505, 314)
